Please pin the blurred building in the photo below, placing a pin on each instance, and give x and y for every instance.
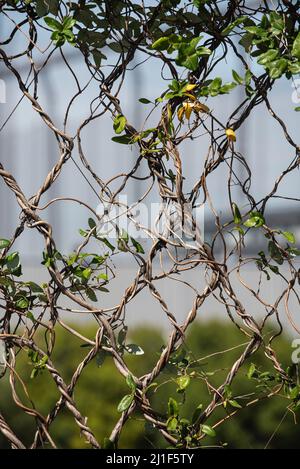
(29, 150)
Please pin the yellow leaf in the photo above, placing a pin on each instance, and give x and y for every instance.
(191, 96)
(188, 110)
(231, 135)
(200, 107)
(190, 87)
(180, 113)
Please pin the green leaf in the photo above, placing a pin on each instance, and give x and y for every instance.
(191, 62)
(123, 139)
(91, 294)
(161, 44)
(275, 253)
(22, 303)
(197, 3)
(239, 229)
(197, 413)
(183, 382)
(227, 87)
(125, 402)
(134, 349)
(203, 51)
(216, 84)
(255, 30)
(277, 23)
(119, 124)
(100, 357)
(296, 47)
(34, 356)
(237, 77)
(234, 403)
(209, 431)
(58, 38)
(42, 9)
(251, 371)
(296, 406)
(124, 236)
(236, 214)
(30, 316)
(107, 243)
(82, 233)
(34, 373)
(102, 276)
(86, 273)
(294, 67)
(294, 392)
(255, 221)
(268, 56)
(98, 56)
(248, 77)
(172, 424)
(92, 224)
(289, 236)
(116, 47)
(247, 42)
(13, 261)
(53, 24)
(274, 269)
(43, 361)
(227, 391)
(4, 243)
(297, 109)
(68, 22)
(188, 56)
(6, 282)
(277, 68)
(293, 252)
(34, 287)
(173, 408)
(137, 245)
(122, 335)
(130, 383)
(235, 23)
(145, 101)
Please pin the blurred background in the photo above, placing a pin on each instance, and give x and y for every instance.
(28, 151)
(267, 424)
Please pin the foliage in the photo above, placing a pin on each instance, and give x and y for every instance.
(105, 388)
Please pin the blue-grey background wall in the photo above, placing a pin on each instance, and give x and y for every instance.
(28, 150)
